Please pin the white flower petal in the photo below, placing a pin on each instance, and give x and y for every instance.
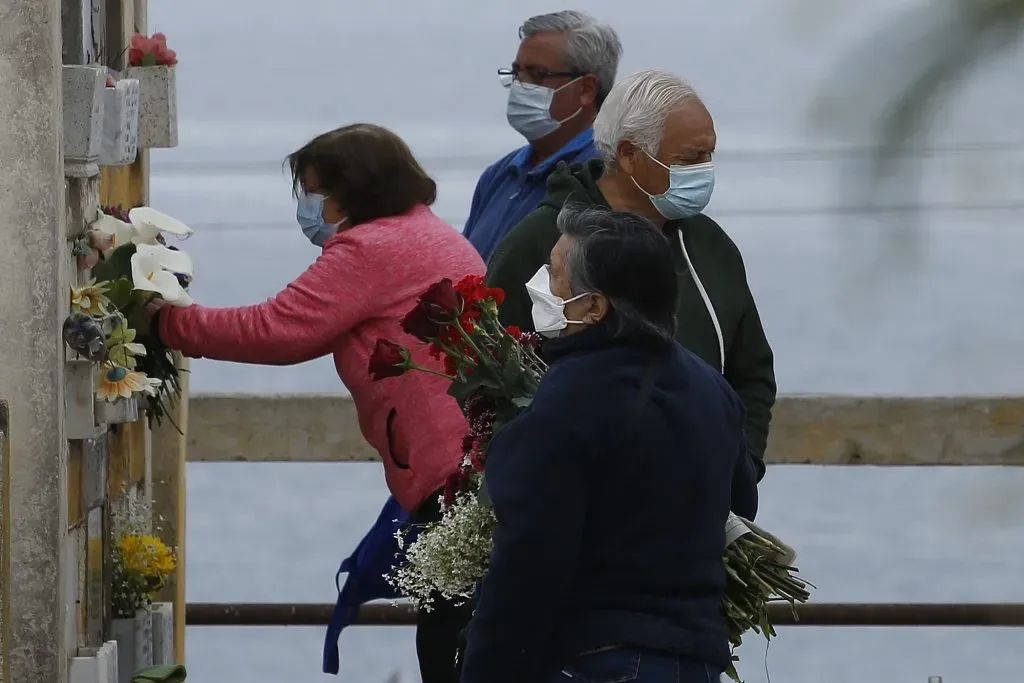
(146, 234)
(170, 289)
(168, 259)
(144, 216)
(149, 276)
(122, 232)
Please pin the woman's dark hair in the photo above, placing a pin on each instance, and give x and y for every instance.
(367, 169)
(627, 258)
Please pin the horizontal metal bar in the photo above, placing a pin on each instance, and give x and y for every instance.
(810, 614)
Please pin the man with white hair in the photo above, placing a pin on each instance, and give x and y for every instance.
(562, 72)
(656, 140)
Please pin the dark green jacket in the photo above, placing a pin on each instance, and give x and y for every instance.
(749, 364)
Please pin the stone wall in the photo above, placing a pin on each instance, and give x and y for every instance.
(34, 262)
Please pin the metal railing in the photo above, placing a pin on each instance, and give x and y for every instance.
(841, 430)
(808, 614)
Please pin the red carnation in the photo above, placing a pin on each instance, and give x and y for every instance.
(470, 287)
(388, 360)
(514, 331)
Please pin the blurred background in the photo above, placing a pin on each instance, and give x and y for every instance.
(870, 168)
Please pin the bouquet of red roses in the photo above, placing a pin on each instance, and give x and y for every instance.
(494, 372)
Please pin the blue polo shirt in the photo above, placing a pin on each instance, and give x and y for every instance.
(510, 189)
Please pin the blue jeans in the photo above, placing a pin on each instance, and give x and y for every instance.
(620, 665)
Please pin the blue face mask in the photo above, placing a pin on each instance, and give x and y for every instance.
(529, 110)
(310, 215)
(689, 190)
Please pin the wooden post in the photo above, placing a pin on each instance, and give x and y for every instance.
(157, 460)
(169, 456)
(127, 187)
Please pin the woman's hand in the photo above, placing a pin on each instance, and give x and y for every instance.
(145, 317)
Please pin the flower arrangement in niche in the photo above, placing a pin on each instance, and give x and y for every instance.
(131, 264)
(150, 51)
(141, 562)
(494, 373)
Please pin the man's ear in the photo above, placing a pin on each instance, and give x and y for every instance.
(626, 156)
(588, 91)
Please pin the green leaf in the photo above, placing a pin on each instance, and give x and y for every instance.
(462, 389)
(119, 292)
(117, 265)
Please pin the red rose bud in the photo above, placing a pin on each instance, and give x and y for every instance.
(419, 324)
(388, 360)
(442, 300)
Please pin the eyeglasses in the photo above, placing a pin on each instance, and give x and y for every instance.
(531, 75)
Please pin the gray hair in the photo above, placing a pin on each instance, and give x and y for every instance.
(625, 257)
(590, 47)
(636, 110)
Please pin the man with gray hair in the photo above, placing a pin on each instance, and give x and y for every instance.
(562, 73)
(656, 140)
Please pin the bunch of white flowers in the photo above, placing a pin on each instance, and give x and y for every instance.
(448, 557)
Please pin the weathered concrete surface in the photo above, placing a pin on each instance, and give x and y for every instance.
(823, 430)
(34, 283)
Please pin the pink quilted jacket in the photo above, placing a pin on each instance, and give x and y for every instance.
(356, 292)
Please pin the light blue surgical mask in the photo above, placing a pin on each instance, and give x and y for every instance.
(310, 216)
(689, 190)
(529, 109)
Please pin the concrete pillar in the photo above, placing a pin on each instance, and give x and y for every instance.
(33, 255)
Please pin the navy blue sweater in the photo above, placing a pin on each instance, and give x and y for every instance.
(610, 535)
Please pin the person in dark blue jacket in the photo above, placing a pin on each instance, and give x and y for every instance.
(611, 491)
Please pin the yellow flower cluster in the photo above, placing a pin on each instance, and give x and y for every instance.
(146, 556)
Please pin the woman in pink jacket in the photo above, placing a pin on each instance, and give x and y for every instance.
(364, 198)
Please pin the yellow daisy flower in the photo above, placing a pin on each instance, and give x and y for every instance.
(116, 382)
(90, 299)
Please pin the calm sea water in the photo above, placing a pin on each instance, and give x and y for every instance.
(910, 288)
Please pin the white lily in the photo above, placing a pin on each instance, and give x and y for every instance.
(155, 269)
(149, 223)
(145, 227)
(119, 231)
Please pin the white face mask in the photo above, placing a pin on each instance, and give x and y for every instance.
(548, 309)
(529, 109)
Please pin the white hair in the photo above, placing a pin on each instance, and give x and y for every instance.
(590, 47)
(636, 110)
